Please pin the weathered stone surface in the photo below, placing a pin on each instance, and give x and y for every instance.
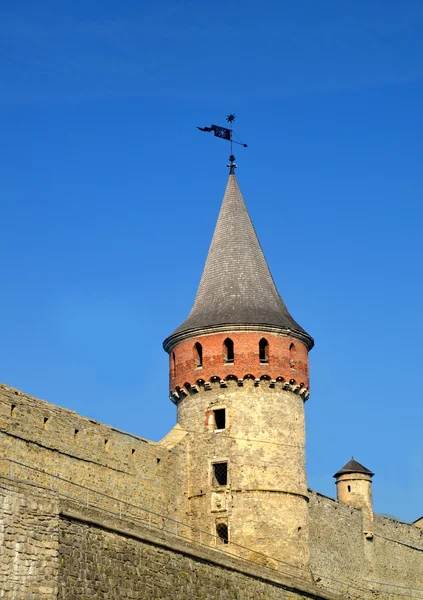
(29, 542)
(263, 444)
(353, 552)
(349, 550)
(135, 563)
(63, 443)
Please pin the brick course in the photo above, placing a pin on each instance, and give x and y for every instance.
(183, 368)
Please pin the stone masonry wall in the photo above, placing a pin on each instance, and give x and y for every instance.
(107, 560)
(63, 443)
(396, 554)
(336, 543)
(52, 548)
(351, 551)
(264, 502)
(29, 542)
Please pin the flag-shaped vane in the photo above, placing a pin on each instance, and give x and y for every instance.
(224, 133)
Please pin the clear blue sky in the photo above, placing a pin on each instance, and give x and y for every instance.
(109, 197)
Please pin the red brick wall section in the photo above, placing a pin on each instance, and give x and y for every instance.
(284, 361)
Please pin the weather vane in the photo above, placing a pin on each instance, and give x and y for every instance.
(226, 134)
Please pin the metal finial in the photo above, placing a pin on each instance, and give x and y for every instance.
(230, 119)
(232, 166)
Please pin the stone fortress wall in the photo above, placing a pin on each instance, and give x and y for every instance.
(52, 546)
(29, 542)
(65, 444)
(56, 549)
(372, 552)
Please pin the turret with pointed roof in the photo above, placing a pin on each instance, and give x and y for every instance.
(354, 485)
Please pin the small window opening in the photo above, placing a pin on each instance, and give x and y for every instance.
(264, 350)
(133, 452)
(292, 355)
(12, 410)
(220, 473)
(220, 418)
(106, 445)
(222, 533)
(158, 460)
(75, 432)
(173, 365)
(229, 350)
(45, 423)
(198, 349)
(349, 488)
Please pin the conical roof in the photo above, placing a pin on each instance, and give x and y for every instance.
(236, 290)
(353, 466)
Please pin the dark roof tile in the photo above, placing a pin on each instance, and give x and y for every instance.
(353, 466)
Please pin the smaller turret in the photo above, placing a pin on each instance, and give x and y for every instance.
(354, 485)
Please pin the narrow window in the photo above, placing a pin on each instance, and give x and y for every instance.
(133, 452)
(229, 350)
(106, 445)
(220, 418)
(264, 350)
(220, 473)
(349, 488)
(222, 533)
(292, 355)
(12, 410)
(75, 433)
(45, 424)
(173, 365)
(198, 351)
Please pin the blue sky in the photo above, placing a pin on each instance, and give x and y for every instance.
(109, 197)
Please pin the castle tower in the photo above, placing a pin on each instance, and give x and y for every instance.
(239, 378)
(354, 485)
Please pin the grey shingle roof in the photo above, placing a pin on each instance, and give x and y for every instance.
(236, 289)
(353, 466)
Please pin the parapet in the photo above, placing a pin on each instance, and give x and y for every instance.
(58, 441)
